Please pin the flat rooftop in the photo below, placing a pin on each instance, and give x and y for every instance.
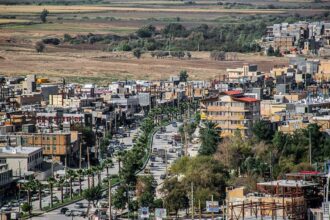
(18, 151)
(288, 183)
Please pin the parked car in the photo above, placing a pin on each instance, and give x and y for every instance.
(68, 213)
(162, 176)
(63, 210)
(79, 205)
(6, 208)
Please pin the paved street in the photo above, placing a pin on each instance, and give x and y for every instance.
(55, 214)
(161, 141)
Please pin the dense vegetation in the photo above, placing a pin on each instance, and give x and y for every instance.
(237, 161)
(175, 37)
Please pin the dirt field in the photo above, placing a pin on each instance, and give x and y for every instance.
(103, 67)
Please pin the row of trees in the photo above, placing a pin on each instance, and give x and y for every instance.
(238, 161)
(133, 160)
(176, 37)
(65, 183)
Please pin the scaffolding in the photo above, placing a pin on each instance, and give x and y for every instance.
(275, 200)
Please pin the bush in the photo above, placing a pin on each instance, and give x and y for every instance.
(40, 47)
(54, 41)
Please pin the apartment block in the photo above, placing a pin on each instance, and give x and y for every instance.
(231, 111)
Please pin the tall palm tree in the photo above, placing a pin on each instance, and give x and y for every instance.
(80, 174)
(94, 171)
(71, 175)
(120, 156)
(108, 164)
(51, 181)
(39, 186)
(61, 183)
(29, 186)
(88, 173)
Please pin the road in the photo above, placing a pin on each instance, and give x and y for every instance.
(161, 141)
(55, 214)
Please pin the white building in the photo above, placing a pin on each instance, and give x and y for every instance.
(21, 160)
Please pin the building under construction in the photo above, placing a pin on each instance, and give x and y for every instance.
(275, 200)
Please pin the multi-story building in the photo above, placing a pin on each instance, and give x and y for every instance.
(242, 74)
(21, 160)
(6, 177)
(231, 111)
(60, 146)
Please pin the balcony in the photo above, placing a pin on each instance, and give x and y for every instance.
(225, 118)
(227, 109)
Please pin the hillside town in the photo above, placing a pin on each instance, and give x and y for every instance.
(58, 139)
(308, 38)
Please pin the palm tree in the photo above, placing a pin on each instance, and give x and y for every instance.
(71, 175)
(80, 174)
(99, 170)
(39, 186)
(108, 164)
(88, 173)
(120, 157)
(51, 181)
(95, 170)
(61, 183)
(29, 186)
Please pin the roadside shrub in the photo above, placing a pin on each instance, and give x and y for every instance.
(54, 41)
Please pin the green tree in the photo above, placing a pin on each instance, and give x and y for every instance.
(183, 76)
(51, 181)
(146, 189)
(39, 186)
(27, 208)
(263, 131)
(43, 15)
(93, 195)
(210, 138)
(175, 195)
(71, 176)
(120, 198)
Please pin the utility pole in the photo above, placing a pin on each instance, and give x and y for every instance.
(110, 213)
(88, 161)
(200, 209)
(166, 162)
(192, 201)
(310, 146)
(212, 210)
(185, 135)
(80, 154)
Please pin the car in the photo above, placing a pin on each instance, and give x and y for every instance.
(152, 165)
(157, 136)
(170, 142)
(174, 124)
(63, 210)
(162, 176)
(34, 198)
(171, 150)
(6, 208)
(79, 205)
(68, 213)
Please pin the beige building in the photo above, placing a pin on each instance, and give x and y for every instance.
(242, 74)
(284, 42)
(231, 111)
(21, 160)
(324, 71)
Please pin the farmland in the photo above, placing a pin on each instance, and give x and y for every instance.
(21, 28)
